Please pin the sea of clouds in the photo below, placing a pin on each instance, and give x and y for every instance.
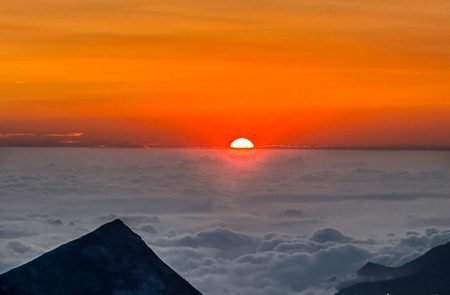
(261, 222)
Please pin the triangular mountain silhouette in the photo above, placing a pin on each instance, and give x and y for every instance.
(112, 260)
(427, 275)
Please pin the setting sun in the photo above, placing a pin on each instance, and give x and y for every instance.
(242, 143)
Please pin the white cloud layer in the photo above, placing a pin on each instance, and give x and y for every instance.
(272, 222)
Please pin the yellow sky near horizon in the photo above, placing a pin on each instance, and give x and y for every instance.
(211, 64)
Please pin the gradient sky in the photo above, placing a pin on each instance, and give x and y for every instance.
(202, 72)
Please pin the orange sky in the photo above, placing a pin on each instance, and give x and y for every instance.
(201, 72)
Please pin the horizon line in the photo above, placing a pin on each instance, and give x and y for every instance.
(260, 147)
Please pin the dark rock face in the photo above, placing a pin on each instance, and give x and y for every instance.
(111, 260)
(426, 275)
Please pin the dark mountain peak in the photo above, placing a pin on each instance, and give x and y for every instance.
(432, 255)
(116, 224)
(116, 228)
(371, 269)
(109, 260)
(427, 274)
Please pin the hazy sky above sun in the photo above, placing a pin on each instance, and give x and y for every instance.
(201, 73)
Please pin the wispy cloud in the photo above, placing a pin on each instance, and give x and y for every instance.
(12, 134)
(26, 134)
(70, 134)
(70, 141)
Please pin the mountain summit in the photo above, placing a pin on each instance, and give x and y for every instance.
(427, 275)
(112, 260)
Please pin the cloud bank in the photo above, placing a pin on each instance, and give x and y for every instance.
(279, 222)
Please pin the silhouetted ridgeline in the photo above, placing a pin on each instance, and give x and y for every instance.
(426, 275)
(112, 260)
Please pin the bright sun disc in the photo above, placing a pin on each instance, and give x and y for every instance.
(242, 143)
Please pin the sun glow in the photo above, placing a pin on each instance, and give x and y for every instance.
(242, 143)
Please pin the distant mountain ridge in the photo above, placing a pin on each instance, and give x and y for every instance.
(112, 260)
(427, 275)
